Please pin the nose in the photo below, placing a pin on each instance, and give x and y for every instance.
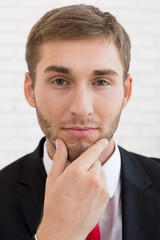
(81, 102)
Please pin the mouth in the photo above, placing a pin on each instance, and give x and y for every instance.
(80, 132)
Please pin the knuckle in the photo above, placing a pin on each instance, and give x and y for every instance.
(77, 172)
(104, 191)
(95, 181)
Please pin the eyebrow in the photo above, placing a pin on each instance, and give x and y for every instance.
(60, 69)
(102, 72)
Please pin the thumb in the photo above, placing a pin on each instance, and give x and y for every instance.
(59, 160)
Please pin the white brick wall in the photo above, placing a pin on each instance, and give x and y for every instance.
(139, 129)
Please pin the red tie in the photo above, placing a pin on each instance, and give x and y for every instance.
(94, 234)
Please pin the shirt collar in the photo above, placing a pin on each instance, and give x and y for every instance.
(111, 168)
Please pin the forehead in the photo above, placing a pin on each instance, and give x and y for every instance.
(80, 54)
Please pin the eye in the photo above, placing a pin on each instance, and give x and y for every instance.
(101, 82)
(60, 82)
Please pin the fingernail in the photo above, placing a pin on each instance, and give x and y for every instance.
(56, 143)
(106, 141)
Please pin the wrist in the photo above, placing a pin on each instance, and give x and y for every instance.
(43, 234)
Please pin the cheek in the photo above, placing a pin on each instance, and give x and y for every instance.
(109, 103)
(52, 106)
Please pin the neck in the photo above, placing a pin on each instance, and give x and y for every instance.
(107, 153)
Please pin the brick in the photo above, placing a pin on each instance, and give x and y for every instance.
(9, 93)
(139, 117)
(151, 131)
(12, 39)
(6, 3)
(142, 41)
(40, 3)
(149, 54)
(7, 107)
(8, 26)
(150, 106)
(7, 53)
(152, 28)
(8, 133)
(144, 92)
(17, 120)
(150, 80)
(17, 13)
(27, 133)
(148, 5)
(142, 66)
(125, 130)
(9, 65)
(138, 16)
(6, 79)
(141, 144)
(22, 106)
(117, 4)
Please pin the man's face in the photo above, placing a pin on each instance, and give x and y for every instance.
(79, 92)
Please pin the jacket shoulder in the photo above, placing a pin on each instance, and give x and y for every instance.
(150, 166)
(24, 167)
(141, 158)
(9, 175)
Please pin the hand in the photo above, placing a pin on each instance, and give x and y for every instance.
(75, 196)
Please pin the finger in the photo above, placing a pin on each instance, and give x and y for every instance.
(92, 154)
(96, 167)
(59, 160)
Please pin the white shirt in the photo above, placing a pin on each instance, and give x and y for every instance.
(110, 223)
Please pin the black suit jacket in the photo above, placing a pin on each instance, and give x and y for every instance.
(22, 186)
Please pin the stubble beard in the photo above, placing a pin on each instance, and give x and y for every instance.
(75, 149)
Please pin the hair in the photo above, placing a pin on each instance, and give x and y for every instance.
(74, 23)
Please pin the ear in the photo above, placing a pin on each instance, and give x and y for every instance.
(28, 90)
(127, 90)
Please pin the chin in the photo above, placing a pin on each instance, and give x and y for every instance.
(76, 148)
(79, 142)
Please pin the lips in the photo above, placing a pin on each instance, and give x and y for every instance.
(80, 132)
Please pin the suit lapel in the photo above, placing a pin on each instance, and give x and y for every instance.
(139, 204)
(31, 188)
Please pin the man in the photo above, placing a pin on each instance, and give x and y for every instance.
(78, 60)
